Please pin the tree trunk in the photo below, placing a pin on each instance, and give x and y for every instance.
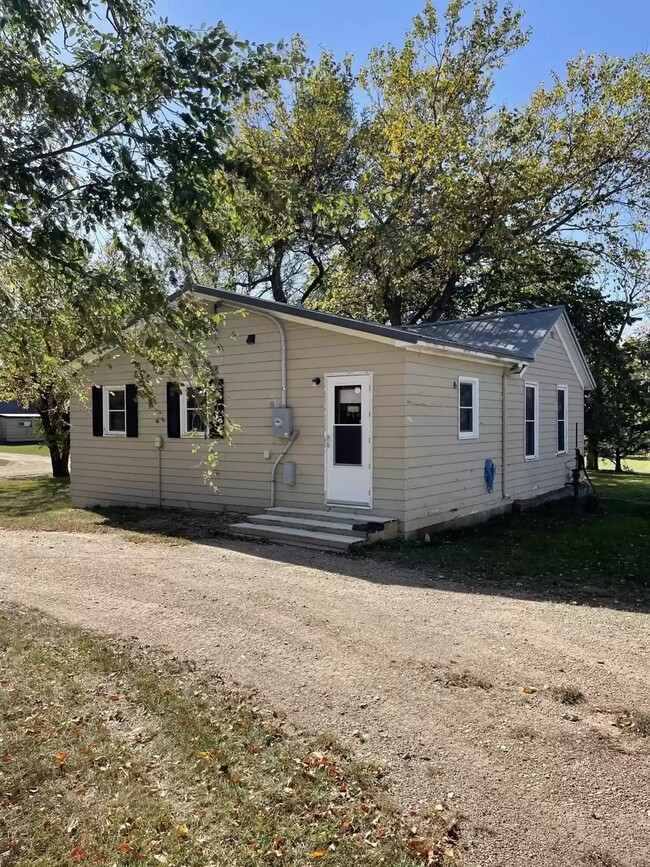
(55, 419)
(440, 307)
(592, 454)
(618, 466)
(277, 288)
(60, 463)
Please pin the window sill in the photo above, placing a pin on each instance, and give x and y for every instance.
(115, 433)
(531, 457)
(467, 436)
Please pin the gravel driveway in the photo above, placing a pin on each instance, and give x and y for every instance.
(428, 678)
(16, 466)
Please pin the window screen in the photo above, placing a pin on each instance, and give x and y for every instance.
(347, 425)
(467, 408)
(561, 419)
(116, 410)
(531, 421)
(194, 422)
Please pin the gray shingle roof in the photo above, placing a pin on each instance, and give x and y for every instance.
(519, 334)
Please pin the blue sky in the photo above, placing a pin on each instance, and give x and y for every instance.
(561, 28)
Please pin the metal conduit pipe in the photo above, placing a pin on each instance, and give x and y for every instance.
(283, 375)
(283, 344)
(294, 436)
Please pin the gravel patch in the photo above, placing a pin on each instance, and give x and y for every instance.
(17, 466)
(454, 690)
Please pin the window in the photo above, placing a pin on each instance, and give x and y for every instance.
(467, 407)
(192, 417)
(114, 411)
(531, 421)
(192, 424)
(562, 418)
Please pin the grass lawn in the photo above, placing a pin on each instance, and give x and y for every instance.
(112, 754)
(44, 504)
(552, 550)
(635, 465)
(21, 449)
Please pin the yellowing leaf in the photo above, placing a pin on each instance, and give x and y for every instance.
(318, 853)
(182, 831)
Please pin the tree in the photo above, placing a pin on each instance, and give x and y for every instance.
(113, 124)
(435, 184)
(619, 413)
(280, 233)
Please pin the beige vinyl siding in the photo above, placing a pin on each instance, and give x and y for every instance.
(549, 472)
(444, 473)
(11, 430)
(423, 473)
(113, 470)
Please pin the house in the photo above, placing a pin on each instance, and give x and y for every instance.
(17, 424)
(348, 427)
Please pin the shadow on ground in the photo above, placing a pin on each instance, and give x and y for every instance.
(552, 554)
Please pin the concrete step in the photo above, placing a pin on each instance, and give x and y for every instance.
(295, 536)
(329, 515)
(340, 528)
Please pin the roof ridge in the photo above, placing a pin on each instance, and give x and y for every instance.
(485, 316)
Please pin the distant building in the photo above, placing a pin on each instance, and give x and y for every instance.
(17, 424)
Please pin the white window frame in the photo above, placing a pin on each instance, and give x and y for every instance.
(106, 413)
(565, 389)
(185, 433)
(473, 434)
(535, 456)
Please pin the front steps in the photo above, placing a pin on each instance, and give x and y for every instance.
(317, 528)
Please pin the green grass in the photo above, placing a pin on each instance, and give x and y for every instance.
(633, 465)
(551, 550)
(44, 504)
(22, 449)
(112, 754)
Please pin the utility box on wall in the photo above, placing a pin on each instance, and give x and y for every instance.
(289, 473)
(283, 422)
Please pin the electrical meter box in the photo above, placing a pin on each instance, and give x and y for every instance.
(283, 422)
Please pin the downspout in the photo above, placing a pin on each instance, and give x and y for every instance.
(504, 431)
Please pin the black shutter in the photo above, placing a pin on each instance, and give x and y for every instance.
(173, 410)
(217, 429)
(98, 411)
(131, 401)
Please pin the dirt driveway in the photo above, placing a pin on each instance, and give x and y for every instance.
(417, 673)
(17, 466)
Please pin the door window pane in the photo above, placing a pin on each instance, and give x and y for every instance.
(348, 404)
(347, 445)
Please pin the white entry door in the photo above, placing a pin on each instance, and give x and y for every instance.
(348, 439)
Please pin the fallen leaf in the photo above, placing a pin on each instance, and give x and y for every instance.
(125, 847)
(529, 689)
(60, 758)
(182, 831)
(78, 853)
(318, 853)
